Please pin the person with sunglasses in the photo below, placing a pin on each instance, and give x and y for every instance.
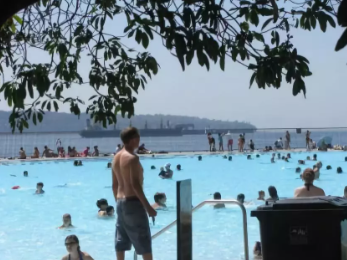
(73, 247)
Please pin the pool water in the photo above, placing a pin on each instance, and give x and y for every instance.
(29, 222)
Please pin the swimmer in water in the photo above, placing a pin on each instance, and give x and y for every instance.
(178, 167)
(328, 167)
(301, 162)
(39, 189)
(273, 193)
(288, 156)
(316, 169)
(308, 190)
(199, 157)
(160, 201)
(152, 167)
(278, 156)
(80, 163)
(308, 158)
(314, 157)
(241, 198)
(249, 157)
(339, 170)
(261, 195)
(298, 170)
(272, 160)
(257, 156)
(66, 222)
(230, 158)
(109, 212)
(218, 196)
(162, 173)
(102, 204)
(25, 173)
(109, 165)
(73, 247)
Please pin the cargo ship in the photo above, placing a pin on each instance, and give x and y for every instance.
(96, 131)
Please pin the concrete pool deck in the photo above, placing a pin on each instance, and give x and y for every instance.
(190, 153)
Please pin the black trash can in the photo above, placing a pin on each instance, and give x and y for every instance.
(302, 229)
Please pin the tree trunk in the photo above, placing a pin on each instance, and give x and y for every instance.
(12, 7)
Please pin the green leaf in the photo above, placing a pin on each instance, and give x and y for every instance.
(234, 54)
(138, 36)
(299, 85)
(181, 48)
(34, 118)
(18, 19)
(331, 21)
(258, 36)
(313, 22)
(244, 26)
(245, 3)
(252, 79)
(30, 88)
(222, 61)
(266, 23)
(254, 18)
(56, 107)
(40, 117)
(342, 42)
(148, 31)
(145, 40)
(322, 19)
(189, 56)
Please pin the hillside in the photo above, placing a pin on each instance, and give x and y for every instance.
(56, 122)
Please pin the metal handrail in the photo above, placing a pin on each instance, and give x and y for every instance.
(201, 204)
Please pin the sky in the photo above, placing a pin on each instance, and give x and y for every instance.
(226, 95)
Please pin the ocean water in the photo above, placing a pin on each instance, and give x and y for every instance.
(10, 143)
(29, 222)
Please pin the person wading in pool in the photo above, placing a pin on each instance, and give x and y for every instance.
(67, 223)
(132, 226)
(308, 190)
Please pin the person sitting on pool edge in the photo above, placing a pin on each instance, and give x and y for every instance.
(39, 189)
(102, 204)
(66, 222)
(218, 196)
(241, 198)
(160, 200)
(273, 194)
(261, 195)
(108, 212)
(308, 190)
(73, 247)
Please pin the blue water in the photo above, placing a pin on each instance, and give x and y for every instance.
(28, 222)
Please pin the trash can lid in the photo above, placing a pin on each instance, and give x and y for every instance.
(326, 202)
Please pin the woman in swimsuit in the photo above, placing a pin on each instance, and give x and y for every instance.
(308, 133)
(73, 247)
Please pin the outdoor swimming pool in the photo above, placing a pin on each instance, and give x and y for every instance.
(28, 222)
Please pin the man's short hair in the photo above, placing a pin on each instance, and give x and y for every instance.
(128, 134)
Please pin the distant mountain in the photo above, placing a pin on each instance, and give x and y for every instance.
(64, 122)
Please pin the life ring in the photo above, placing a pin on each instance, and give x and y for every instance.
(15, 187)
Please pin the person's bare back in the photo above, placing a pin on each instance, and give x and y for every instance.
(312, 192)
(125, 167)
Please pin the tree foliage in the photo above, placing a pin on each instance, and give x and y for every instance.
(256, 34)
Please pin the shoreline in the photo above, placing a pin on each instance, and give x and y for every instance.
(154, 155)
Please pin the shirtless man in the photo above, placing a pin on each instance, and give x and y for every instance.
(22, 154)
(132, 205)
(308, 190)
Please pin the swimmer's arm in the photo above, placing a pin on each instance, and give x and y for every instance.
(135, 169)
(114, 181)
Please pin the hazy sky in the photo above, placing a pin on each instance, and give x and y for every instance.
(226, 95)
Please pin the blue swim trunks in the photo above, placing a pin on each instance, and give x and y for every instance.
(132, 227)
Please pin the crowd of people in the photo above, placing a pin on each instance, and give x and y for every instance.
(133, 208)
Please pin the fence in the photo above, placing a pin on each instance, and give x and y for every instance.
(10, 143)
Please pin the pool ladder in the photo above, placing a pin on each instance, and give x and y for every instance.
(203, 203)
